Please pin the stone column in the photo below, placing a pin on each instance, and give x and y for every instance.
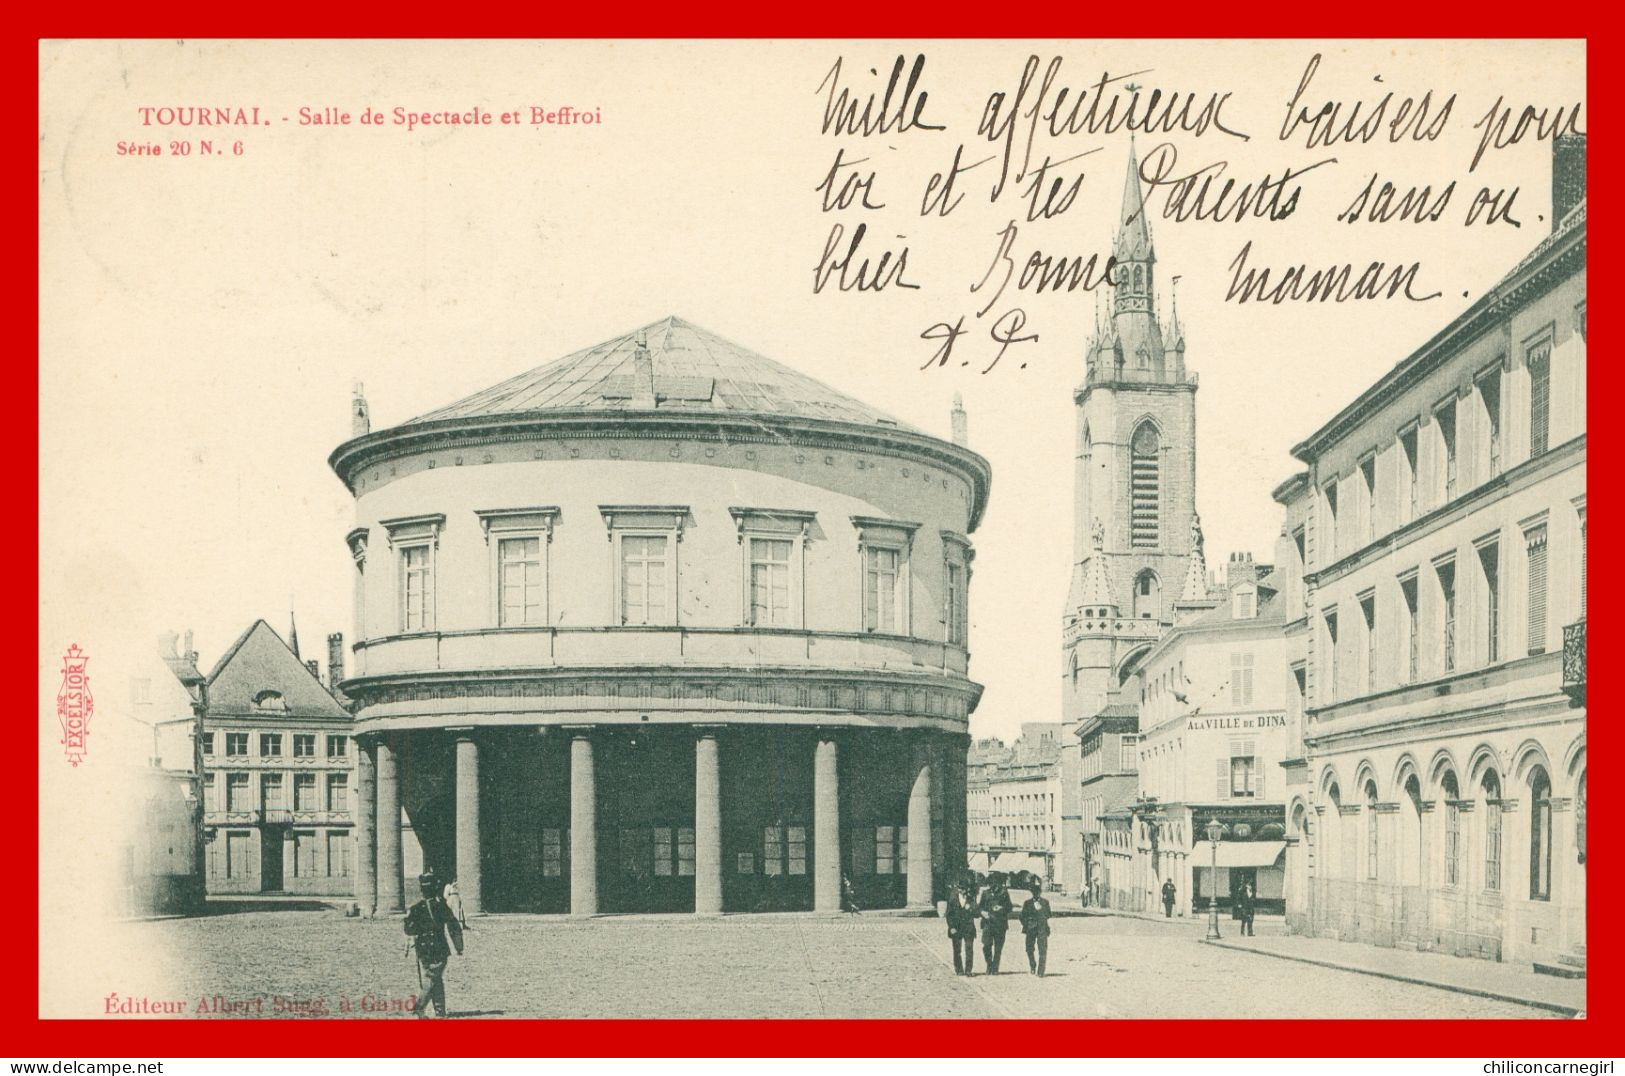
(707, 825)
(389, 831)
(366, 810)
(826, 825)
(583, 826)
(919, 831)
(468, 821)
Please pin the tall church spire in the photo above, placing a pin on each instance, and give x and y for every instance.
(1138, 344)
(293, 631)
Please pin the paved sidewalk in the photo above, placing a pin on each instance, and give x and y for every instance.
(1480, 978)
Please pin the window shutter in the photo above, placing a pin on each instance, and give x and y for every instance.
(1258, 779)
(1540, 398)
(1224, 778)
(1536, 540)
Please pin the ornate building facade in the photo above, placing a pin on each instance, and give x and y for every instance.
(278, 786)
(1438, 533)
(663, 625)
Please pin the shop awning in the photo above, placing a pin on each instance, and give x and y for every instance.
(1010, 862)
(1241, 854)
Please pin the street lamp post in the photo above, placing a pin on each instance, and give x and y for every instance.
(1215, 830)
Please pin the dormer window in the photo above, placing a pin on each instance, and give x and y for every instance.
(271, 702)
(1244, 603)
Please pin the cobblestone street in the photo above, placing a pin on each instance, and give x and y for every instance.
(745, 966)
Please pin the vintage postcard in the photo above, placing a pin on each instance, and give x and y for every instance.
(795, 529)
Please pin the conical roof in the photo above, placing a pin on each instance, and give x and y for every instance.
(1134, 234)
(693, 370)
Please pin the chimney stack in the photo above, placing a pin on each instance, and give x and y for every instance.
(960, 422)
(315, 669)
(1568, 175)
(335, 659)
(1242, 569)
(189, 654)
(360, 420)
(643, 373)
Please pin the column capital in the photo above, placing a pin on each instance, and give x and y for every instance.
(708, 732)
(580, 732)
(461, 732)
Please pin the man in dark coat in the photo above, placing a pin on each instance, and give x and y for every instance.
(962, 928)
(1168, 899)
(427, 923)
(994, 909)
(1035, 924)
(1244, 905)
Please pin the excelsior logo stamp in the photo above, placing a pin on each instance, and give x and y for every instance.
(74, 704)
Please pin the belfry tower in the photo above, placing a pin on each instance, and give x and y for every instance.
(1137, 544)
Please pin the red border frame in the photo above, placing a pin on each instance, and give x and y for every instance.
(26, 1034)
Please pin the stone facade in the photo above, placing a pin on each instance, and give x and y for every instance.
(1441, 523)
(663, 625)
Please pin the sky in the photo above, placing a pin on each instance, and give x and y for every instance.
(203, 318)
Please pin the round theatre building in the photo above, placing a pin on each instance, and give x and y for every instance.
(662, 625)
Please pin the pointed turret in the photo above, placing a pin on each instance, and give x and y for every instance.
(1133, 234)
(1196, 569)
(1096, 592)
(293, 632)
(1137, 348)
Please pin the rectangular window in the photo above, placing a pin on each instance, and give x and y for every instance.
(1489, 562)
(237, 792)
(663, 852)
(1368, 481)
(1331, 519)
(1489, 397)
(304, 854)
(685, 852)
(519, 581)
(338, 792)
(304, 745)
(1243, 770)
(772, 850)
(552, 853)
(208, 743)
(956, 604)
(795, 850)
(1413, 634)
(770, 582)
(1241, 679)
(338, 855)
(644, 579)
(1129, 750)
(239, 864)
(272, 792)
(270, 745)
(236, 745)
(885, 850)
(304, 792)
(1368, 620)
(338, 746)
(1407, 456)
(881, 573)
(211, 794)
(1535, 544)
(1540, 397)
(417, 588)
(1446, 572)
(1331, 686)
(1445, 418)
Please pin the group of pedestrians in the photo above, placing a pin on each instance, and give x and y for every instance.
(988, 911)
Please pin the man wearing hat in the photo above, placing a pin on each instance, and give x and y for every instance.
(427, 923)
(995, 907)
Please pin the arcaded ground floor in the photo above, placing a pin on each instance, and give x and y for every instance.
(763, 966)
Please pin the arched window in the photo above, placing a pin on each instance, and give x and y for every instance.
(1139, 279)
(1451, 792)
(1074, 668)
(1371, 830)
(1410, 852)
(1145, 486)
(1491, 784)
(1540, 835)
(1147, 596)
(1580, 819)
